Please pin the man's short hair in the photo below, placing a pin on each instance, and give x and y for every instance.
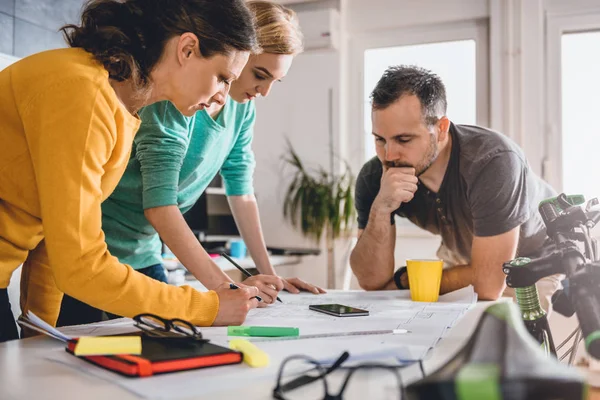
(403, 80)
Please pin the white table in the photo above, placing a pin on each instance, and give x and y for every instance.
(25, 373)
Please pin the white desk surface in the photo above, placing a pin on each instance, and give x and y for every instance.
(25, 373)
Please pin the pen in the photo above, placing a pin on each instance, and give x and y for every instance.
(234, 286)
(243, 270)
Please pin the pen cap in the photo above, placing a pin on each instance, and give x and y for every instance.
(238, 331)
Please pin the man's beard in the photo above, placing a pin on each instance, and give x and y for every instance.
(430, 156)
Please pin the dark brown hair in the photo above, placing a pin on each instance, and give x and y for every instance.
(401, 80)
(128, 36)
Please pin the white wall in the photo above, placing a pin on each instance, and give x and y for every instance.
(372, 15)
(297, 108)
(6, 60)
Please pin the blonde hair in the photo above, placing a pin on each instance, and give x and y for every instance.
(277, 28)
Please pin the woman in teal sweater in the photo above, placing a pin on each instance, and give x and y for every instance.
(173, 160)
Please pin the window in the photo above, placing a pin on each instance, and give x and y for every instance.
(580, 81)
(573, 82)
(454, 62)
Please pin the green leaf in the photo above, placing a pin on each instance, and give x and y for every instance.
(317, 201)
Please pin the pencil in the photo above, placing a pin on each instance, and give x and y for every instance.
(243, 270)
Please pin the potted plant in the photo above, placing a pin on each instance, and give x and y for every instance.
(320, 202)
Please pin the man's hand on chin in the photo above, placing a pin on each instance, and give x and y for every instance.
(398, 185)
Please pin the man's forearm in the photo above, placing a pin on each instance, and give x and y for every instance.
(245, 212)
(455, 278)
(372, 259)
(487, 287)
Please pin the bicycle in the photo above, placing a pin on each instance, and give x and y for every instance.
(568, 225)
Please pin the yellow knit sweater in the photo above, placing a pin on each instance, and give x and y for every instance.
(65, 140)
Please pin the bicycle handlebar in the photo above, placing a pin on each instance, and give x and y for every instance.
(561, 216)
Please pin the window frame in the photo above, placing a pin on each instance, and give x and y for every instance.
(557, 24)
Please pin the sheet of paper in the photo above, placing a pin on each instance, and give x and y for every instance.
(37, 321)
(106, 328)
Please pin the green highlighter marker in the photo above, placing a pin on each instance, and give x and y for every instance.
(265, 331)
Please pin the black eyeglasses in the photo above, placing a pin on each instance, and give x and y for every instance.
(161, 328)
(311, 370)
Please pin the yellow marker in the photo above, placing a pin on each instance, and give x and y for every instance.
(108, 345)
(253, 356)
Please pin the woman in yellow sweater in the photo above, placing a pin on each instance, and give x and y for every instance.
(67, 122)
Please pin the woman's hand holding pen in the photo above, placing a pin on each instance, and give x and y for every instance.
(235, 304)
(268, 285)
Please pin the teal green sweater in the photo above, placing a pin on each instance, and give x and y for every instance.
(173, 160)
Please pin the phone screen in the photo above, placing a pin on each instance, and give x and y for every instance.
(339, 310)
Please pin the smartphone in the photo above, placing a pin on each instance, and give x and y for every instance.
(339, 310)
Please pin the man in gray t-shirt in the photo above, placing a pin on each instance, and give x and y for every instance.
(470, 185)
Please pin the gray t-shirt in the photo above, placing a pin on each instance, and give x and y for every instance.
(488, 189)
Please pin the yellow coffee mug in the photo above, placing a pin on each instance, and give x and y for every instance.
(424, 278)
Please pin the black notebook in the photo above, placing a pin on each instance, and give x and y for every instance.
(164, 355)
